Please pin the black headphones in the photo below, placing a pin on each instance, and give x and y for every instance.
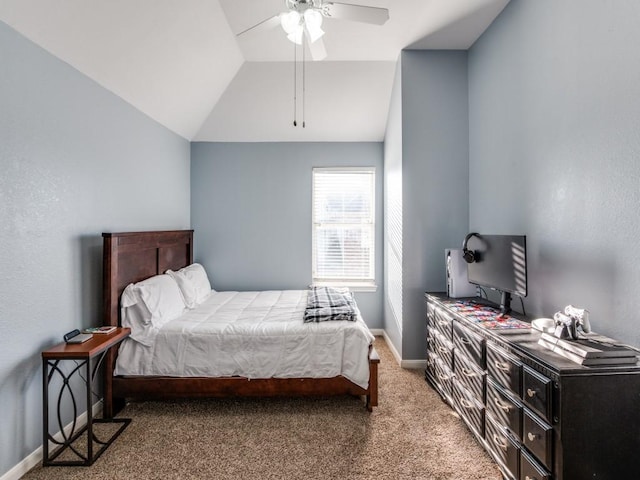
(469, 255)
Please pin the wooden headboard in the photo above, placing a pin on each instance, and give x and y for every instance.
(133, 256)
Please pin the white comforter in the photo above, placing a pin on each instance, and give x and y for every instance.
(254, 335)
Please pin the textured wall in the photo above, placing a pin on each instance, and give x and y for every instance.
(74, 161)
(434, 177)
(555, 148)
(251, 211)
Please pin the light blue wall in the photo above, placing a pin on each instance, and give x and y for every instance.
(251, 212)
(433, 167)
(555, 151)
(393, 216)
(435, 175)
(75, 161)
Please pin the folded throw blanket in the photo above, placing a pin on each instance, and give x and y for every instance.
(328, 304)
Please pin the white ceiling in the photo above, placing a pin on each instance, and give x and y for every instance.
(180, 62)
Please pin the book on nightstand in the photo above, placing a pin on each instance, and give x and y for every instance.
(102, 330)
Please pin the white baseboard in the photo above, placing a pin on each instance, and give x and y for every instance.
(414, 364)
(35, 457)
(392, 347)
(24, 466)
(408, 364)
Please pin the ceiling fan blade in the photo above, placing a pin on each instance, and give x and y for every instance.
(317, 49)
(356, 13)
(265, 24)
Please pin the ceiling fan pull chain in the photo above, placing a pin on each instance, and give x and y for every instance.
(295, 85)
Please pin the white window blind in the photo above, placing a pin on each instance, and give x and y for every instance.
(344, 226)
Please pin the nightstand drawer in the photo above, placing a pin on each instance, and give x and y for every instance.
(537, 436)
(470, 343)
(504, 368)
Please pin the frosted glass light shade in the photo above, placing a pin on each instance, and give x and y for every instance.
(313, 23)
(291, 21)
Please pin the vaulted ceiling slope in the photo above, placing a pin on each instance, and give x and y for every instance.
(181, 63)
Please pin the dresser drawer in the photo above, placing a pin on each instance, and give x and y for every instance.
(530, 470)
(505, 408)
(505, 450)
(442, 321)
(471, 411)
(441, 347)
(468, 373)
(536, 392)
(440, 376)
(470, 343)
(505, 368)
(537, 436)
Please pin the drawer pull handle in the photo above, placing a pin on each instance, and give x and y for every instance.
(527, 477)
(531, 393)
(501, 405)
(465, 341)
(504, 366)
(466, 403)
(499, 443)
(531, 436)
(468, 373)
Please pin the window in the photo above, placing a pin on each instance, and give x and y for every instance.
(344, 226)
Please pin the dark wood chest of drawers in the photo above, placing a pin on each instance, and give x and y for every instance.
(539, 415)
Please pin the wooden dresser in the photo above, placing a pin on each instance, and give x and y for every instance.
(539, 415)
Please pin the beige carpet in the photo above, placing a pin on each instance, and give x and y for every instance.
(411, 435)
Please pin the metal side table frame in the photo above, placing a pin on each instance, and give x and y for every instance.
(88, 358)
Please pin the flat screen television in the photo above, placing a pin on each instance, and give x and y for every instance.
(499, 263)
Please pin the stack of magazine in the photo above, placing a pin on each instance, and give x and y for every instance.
(589, 352)
(489, 318)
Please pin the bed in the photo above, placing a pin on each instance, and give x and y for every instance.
(132, 257)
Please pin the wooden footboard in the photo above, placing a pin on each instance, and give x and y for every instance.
(372, 394)
(132, 257)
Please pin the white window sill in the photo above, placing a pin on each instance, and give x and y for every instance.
(353, 286)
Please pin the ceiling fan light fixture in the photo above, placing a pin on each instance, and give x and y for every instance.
(291, 22)
(313, 24)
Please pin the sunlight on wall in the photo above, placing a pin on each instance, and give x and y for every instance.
(393, 244)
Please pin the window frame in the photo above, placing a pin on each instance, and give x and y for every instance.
(363, 284)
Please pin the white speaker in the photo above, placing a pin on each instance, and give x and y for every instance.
(457, 284)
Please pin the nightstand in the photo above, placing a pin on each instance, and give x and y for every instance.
(86, 360)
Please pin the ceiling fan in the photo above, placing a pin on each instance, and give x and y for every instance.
(302, 20)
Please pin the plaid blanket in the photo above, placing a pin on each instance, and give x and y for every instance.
(327, 304)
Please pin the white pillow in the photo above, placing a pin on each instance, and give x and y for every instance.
(194, 284)
(136, 316)
(161, 295)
